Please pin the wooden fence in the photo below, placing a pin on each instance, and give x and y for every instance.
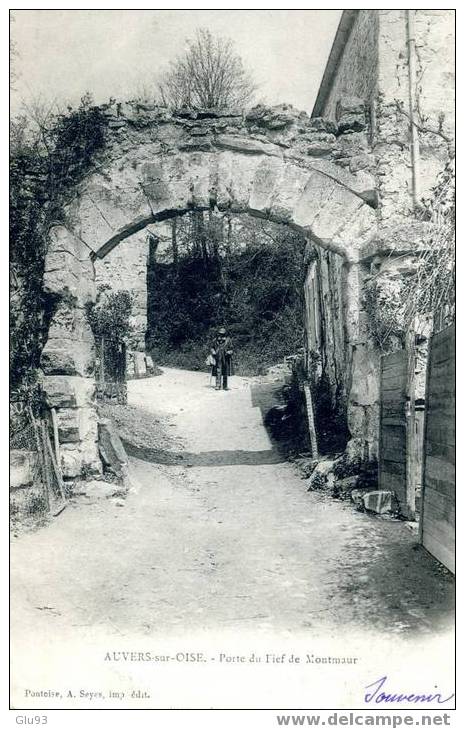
(437, 521)
(392, 474)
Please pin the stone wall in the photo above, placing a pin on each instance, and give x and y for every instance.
(125, 269)
(339, 348)
(68, 356)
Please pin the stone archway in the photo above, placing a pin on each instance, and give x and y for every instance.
(275, 164)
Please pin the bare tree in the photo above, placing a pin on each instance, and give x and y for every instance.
(209, 75)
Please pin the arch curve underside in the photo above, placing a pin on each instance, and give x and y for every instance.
(326, 203)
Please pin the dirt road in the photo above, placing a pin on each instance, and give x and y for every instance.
(214, 544)
(229, 540)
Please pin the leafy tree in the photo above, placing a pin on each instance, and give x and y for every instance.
(209, 75)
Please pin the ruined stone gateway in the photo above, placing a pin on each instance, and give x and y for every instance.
(330, 176)
(274, 163)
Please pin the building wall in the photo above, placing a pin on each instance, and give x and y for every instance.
(433, 32)
(374, 66)
(357, 72)
(339, 347)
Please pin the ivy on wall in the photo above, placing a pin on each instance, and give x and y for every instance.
(395, 304)
(49, 154)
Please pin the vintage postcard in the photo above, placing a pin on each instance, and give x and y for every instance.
(232, 362)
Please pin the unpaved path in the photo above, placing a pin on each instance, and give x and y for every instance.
(228, 539)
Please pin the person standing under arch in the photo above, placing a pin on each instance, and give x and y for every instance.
(222, 352)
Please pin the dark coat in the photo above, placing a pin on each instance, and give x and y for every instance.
(222, 351)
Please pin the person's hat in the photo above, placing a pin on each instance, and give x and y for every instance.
(222, 331)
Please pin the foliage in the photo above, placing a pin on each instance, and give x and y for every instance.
(346, 466)
(432, 291)
(248, 278)
(209, 75)
(109, 316)
(426, 296)
(109, 319)
(330, 417)
(384, 304)
(50, 152)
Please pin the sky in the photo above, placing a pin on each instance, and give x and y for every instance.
(64, 53)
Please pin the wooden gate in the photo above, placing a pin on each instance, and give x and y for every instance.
(437, 522)
(393, 428)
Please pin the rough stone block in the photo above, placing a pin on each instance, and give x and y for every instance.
(63, 240)
(139, 364)
(78, 459)
(235, 179)
(88, 424)
(322, 475)
(71, 460)
(344, 486)
(342, 206)
(323, 125)
(364, 186)
(266, 177)
(400, 236)
(317, 191)
(77, 425)
(246, 145)
(70, 322)
(357, 497)
(367, 187)
(275, 118)
(68, 425)
(177, 174)
(288, 191)
(67, 357)
(68, 270)
(62, 274)
(358, 230)
(155, 185)
(380, 502)
(110, 446)
(68, 392)
(317, 144)
(361, 162)
(149, 364)
(200, 172)
(350, 114)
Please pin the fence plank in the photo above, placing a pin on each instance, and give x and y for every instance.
(437, 531)
(392, 446)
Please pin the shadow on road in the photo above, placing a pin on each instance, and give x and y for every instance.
(207, 458)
